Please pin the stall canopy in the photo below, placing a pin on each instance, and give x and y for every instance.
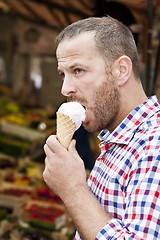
(57, 14)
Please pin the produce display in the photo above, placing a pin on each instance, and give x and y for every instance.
(13, 145)
(29, 208)
(43, 212)
(22, 130)
(8, 106)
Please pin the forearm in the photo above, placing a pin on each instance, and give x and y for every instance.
(67, 178)
(86, 212)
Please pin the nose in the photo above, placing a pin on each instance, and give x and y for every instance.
(68, 87)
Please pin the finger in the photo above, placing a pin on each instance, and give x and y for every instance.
(45, 170)
(72, 149)
(46, 161)
(49, 153)
(53, 143)
(48, 166)
(50, 141)
(45, 165)
(72, 146)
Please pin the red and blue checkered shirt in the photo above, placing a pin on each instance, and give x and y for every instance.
(126, 176)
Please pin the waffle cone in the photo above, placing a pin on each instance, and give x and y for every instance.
(65, 129)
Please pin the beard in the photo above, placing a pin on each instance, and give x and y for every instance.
(102, 106)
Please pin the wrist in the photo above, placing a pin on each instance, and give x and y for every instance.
(76, 195)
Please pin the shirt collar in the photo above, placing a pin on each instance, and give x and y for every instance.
(125, 131)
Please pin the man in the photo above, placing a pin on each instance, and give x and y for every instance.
(98, 61)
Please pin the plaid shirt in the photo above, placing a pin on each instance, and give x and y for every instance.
(126, 176)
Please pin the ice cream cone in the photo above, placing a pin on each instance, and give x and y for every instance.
(65, 129)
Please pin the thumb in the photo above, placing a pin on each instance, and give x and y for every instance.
(72, 146)
(75, 154)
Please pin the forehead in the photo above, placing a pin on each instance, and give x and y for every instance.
(80, 45)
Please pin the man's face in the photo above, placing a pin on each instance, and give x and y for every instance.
(87, 80)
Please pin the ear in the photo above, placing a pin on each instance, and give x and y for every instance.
(122, 69)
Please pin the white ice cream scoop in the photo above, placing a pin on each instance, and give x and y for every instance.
(75, 111)
(69, 118)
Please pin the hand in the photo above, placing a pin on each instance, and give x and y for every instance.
(64, 170)
(65, 174)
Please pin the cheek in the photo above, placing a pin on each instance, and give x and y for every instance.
(105, 99)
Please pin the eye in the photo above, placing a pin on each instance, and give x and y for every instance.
(78, 71)
(61, 75)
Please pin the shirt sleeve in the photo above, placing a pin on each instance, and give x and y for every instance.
(141, 219)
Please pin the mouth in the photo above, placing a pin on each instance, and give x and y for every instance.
(86, 115)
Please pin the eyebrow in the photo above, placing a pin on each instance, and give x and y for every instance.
(72, 66)
(75, 65)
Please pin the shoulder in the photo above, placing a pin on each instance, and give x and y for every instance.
(147, 134)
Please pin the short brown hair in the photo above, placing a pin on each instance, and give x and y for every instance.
(113, 39)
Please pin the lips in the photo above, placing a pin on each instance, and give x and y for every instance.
(86, 116)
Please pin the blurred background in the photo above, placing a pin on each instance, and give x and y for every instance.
(30, 95)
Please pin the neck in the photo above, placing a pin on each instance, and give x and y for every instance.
(130, 98)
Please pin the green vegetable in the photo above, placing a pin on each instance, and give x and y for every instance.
(42, 225)
(3, 213)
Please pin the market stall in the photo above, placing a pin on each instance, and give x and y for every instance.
(30, 95)
(28, 208)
